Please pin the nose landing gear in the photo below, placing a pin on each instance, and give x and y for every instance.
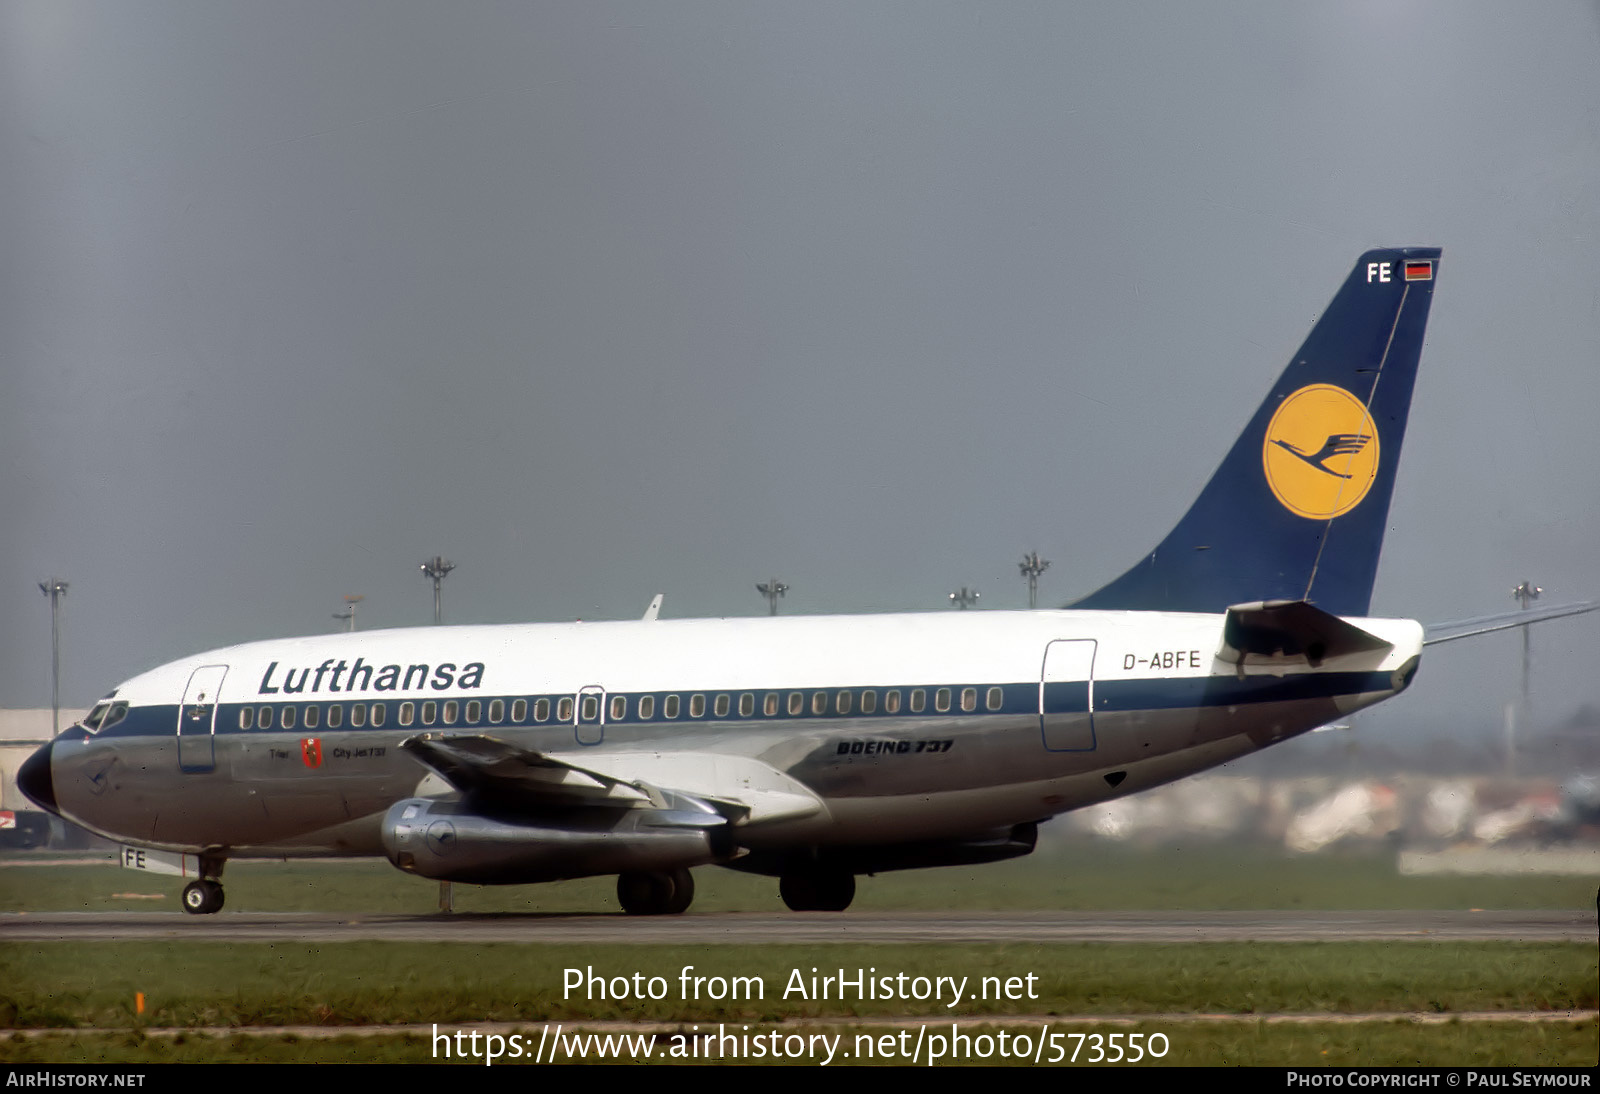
(204, 897)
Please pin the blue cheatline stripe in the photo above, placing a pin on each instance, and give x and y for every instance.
(1018, 697)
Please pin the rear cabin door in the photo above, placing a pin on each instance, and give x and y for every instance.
(197, 719)
(1066, 696)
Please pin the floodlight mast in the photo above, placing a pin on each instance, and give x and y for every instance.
(436, 568)
(55, 589)
(964, 598)
(772, 590)
(1526, 593)
(349, 613)
(1032, 566)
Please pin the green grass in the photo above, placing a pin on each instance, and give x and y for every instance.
(1088, 877)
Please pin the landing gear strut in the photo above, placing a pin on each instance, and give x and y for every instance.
(668, 892)
(817, 890)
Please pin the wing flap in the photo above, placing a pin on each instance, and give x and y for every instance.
(742, 789)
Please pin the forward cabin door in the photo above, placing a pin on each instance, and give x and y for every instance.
(197, 719)
(1066, 695)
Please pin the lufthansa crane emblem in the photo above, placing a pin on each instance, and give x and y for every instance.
(1320, 452)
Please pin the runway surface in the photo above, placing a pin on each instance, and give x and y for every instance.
(860, 927)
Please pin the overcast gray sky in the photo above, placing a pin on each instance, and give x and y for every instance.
(605, 300)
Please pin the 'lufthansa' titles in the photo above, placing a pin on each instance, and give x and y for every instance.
(344, 678)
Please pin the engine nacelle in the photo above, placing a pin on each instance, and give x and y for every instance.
(447, 840)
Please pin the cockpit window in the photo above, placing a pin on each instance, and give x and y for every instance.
(96, 716)
(117, 712)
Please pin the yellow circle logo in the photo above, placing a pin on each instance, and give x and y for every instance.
(1320, 453)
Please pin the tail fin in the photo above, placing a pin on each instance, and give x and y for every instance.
(1298, 508)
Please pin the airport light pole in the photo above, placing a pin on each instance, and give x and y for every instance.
(1525, 593)
(1032, 566)
(437, 567)
(55, 589)
(964, 598)
(772, 590)
(349, 613)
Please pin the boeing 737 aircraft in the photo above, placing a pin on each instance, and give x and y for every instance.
(812, 749)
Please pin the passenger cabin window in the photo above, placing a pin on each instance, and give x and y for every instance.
(891, 701)
(286, 717)
(842, 702)
(451, 709)
(941, 700)
(769, 706)
(564, 710)
(996, 698)
(619, 707)
(747, 705)
(430, 710)
(377, 714)
(918, 700)
(358, 714)
(797, 702)
(647, 708)
(247, 717)
(541, 710)
(591, 707)
(312, 717)
(519, 710)
(497, 710)
(697, 706)
(722, 706)
(407, 712)
(869, 702)
(474, 710)
(671, 710)
(264, 717)
(819, 703)
(335, 715)
(969, 698)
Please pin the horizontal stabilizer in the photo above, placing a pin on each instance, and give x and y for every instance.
(1275, 630)
(1487, 624)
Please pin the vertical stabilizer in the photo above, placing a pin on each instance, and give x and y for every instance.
(1298, 508)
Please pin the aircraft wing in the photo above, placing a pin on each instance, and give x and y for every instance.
(1466, 628)
(742, 789)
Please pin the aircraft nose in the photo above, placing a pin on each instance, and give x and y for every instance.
(35, 780)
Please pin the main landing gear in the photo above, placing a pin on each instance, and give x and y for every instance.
(204, 897)
(817, 890)
(665, 892)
